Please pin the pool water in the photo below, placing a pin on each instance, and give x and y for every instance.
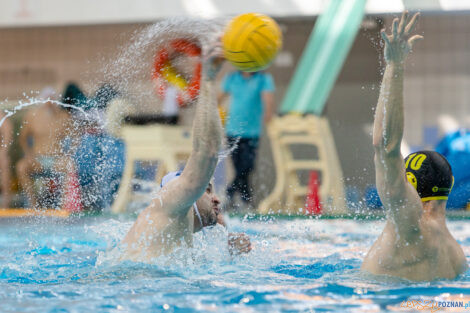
(303, 265)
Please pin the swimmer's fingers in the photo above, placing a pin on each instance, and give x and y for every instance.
(213, 63)
(243, 243)
(244, 240)
(244, 246)
(215, 52)
(385, 37)
(214, 49)
(245, 249)
(239, 243)
(403, 20)
(411, 25)
(395, 28)
(249, 247)
(414, 39)
(239, 238)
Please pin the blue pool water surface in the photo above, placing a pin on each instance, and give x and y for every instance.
(295, 266)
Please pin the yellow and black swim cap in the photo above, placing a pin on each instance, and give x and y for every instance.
(430, 173)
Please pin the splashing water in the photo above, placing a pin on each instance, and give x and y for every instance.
(131, 70)
(296, 266)
(33, 101)
(301, 265)
(134, 63)
(130, 73)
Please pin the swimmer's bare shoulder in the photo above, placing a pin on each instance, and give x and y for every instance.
(447, 251)
(154, 233)
(433, 253)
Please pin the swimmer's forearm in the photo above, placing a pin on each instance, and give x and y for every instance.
(207, 139)
(389, 116)
(389, 165)
(207, 130)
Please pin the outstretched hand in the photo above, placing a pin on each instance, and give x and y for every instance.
(400, 42)
(238, 243)
(213, 60)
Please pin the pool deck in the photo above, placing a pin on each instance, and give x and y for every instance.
(20, 212)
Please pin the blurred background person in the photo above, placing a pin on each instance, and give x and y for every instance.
(6, 135)
(41, 138)
(74, 98)
(455, 146)
(99, 156)
(251, 103)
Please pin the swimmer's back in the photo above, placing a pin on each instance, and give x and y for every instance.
(430, 252)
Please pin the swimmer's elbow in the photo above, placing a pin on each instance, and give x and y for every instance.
(199, 169)
(205, 158)
(379, 145)
(388, 142)
(377, 141)
(383, 149)
(206, 148)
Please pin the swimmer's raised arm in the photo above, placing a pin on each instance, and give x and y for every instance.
(179, 195)
(397, 195)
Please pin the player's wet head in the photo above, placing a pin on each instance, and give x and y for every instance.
(430, 173)
(209, 210)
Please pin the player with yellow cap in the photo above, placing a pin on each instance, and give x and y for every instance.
(415, 243)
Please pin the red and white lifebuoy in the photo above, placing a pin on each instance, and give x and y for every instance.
(165, 74)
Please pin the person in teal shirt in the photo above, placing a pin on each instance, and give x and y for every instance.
(251, 104)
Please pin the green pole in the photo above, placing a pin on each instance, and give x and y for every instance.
(323, 57)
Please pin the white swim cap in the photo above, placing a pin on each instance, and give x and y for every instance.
(169, 177)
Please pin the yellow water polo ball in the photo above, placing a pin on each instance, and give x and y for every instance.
(251, 41)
